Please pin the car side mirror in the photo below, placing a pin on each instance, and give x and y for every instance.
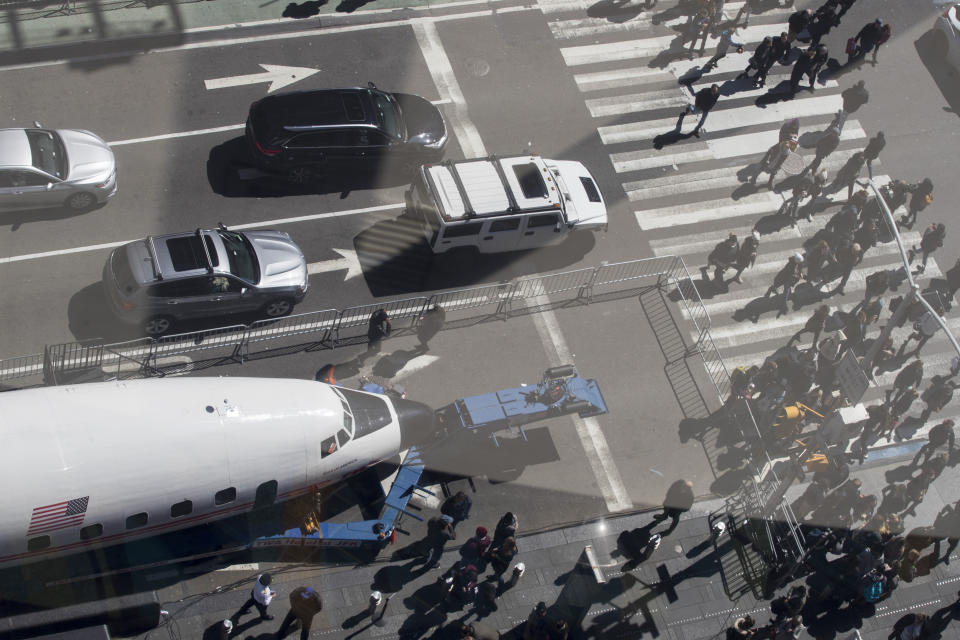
(37, 125)
(49, 186)
(244, 291)
(557, 227)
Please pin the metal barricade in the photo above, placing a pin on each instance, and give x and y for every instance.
(554, 283)
(353, 318)
(499, 296)
(21, 367)
(318, 323)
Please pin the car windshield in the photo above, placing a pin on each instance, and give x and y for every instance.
(240, 253)
(47, 151)
(388, 114)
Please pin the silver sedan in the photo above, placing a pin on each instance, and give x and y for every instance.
(46, 168)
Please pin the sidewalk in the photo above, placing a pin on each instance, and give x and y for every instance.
(71, 22)
(681, 592)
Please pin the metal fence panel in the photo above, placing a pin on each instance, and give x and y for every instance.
(498, 295)
(21, 367)
(554, 283)
(620, 272)
(313, 322)
(403, 313)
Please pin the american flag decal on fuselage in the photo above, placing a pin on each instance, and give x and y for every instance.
(60, 515)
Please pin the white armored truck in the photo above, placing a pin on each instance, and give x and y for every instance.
(504, 204)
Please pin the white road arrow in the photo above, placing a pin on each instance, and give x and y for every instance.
(278, 76)
(348, 261)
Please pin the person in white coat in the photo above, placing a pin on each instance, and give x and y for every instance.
(260, 597)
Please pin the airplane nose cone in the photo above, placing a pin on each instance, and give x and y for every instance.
(418, 423)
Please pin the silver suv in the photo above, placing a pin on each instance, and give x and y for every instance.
(160, 280)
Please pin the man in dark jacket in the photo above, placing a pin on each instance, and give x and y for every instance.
(723, 256)
(705, 99)
(819, 59)
(759, 59)
(797, 22)
(873, 149)
(867, 38)
(803, 65)
(378, 328)
(931, 241)
(305, 603)
(922, 195)
(855, 97)
(781, 51)
(848, 256)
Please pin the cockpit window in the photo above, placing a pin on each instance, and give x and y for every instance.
(370, 412)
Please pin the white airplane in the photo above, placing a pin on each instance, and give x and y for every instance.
(97, 464)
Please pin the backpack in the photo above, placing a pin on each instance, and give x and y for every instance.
(873, 591)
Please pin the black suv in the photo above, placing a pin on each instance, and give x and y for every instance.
(300, 131)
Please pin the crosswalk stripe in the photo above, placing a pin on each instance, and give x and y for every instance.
(638, 102)
(589, 27)
(721, 119)
(719, 209)
(713, 147)
(724, 178)
(578, 55)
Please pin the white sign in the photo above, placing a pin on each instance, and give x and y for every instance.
(851, 379)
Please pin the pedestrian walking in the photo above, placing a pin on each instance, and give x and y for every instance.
(305, 602)
(431, 322)
(931, 241)
(537, 623)
(378, 328)
(873, 149)
(439, 532)
(814, 325)
(819, 26)
(921, 196)
(698, 28)
(723, 45)
(821, 55)
(758, 60)
(261, 595)
(848, 174)
(743, 628)
(773, 159)
(723, 256)
(866, 39)
(803, 66)
(797, 23)
(787, 277)
(818, 257)
(506, 528)
(848, 257)
(501, 556)
(457, 507)
(474, 549)
(908, 378)
(923, 330)
(844, 7)
(937, 396)
(826, 145)
(885, 34)
(846, 221)
(704, 101)
(854, 97)
(746, 9)
(747, 255)
(875, 285)
(953, 278)
(679, 500)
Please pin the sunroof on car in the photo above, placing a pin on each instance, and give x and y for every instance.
(186, 254)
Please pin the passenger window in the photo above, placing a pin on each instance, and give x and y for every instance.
(461, 230)
(225, 284)
(137, 520)
(39, 543)
(548, 220)
(28, 179)
(91, 531)
(318, 139)
(266, 494)
(181, 288)
(328, 446)
(6, 179)
(225, 496)
(181, 509)
(509, 224)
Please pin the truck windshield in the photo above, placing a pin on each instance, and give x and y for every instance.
(370, 411)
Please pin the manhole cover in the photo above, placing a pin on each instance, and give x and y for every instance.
(477, 66)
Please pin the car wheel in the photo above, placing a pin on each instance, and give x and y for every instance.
(300, 175)
(80, 201)
(278, 308)
(157, 325)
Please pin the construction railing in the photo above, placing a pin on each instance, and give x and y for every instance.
(330, 328)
